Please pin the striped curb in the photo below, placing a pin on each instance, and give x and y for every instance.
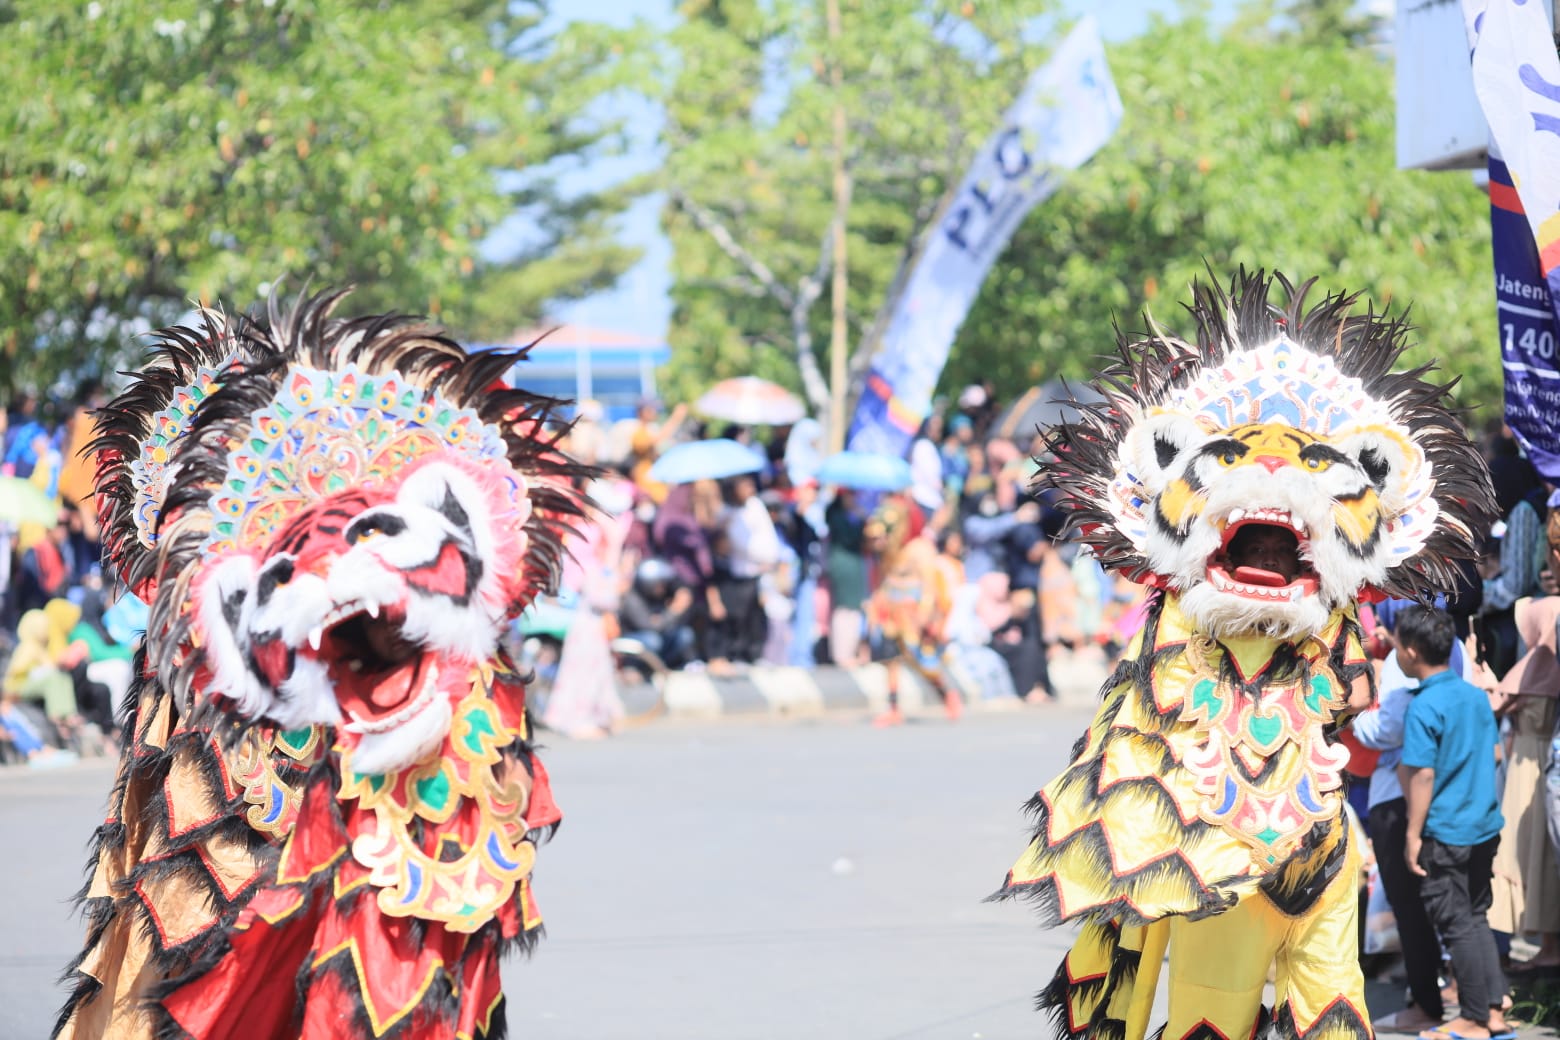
(780, 691)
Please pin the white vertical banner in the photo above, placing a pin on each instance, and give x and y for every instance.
(1068, 110)
(1516, 75)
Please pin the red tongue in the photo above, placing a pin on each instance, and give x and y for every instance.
(395, 689)
(1258, 576)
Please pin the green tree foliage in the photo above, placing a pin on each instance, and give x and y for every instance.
(748, 146)
(1269, 144)
(155, 153)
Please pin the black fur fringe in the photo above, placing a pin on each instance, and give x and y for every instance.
(1366, 346)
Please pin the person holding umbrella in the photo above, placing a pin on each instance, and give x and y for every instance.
(648, 439)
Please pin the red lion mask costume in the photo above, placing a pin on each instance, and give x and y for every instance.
(327, 813)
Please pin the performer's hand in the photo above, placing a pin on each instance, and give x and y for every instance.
(1411, 846)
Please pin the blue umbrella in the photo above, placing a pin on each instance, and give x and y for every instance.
(705, 460)
(865, 471)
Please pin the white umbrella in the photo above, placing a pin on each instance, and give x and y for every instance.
(752, 402)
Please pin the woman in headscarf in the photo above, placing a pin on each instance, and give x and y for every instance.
(680, 539)
(39, 669)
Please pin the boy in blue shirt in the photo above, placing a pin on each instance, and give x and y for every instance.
(1454, 819)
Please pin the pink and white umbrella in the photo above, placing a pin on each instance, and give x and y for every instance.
(751, 401)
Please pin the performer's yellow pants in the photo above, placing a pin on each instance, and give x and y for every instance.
(1219, 965)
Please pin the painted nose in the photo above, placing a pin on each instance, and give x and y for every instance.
(1272, 463)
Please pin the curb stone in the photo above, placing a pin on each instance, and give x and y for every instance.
(784, 692)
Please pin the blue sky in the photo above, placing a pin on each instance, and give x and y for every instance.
(640, 302)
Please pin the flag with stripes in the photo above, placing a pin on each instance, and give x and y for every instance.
(1516, 74)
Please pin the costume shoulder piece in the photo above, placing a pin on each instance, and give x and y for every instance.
(326, 822)
(1263, 478)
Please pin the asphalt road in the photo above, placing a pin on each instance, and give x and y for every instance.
(810, 878)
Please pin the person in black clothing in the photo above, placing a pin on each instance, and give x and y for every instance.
(1026, 546)
(657, 616)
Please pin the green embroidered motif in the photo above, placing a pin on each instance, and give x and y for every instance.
(434, 791)
(1321, 693)
(1206, 695)
(478, 724)
(1265, 729)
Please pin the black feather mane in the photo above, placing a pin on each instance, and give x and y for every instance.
(124, 425)
(1148, 368)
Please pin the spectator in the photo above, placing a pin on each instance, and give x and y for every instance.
(1027, 551)
(1009, 469)
(20, 737)
(1015, 634)
(977, 482)
(778, 586)
(1450, 744)
(950, 557)
(753, 548)
(1527, 882)
(44, 572)
(1522, 554)
(1381, 730)
(804, 451)
(659, 614)
(775, 450)
(1512, 475)
(986, 532)
(640, 542)
(584, 702)
(800, 526)
(39, 670)
(25, 437)
(647, 440)
(926, 469)
(108, 662)
(955, 455)
(680, 538)
(976, 669)
(846, 566)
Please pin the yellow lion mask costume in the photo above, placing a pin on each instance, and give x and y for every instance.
(1263, 480)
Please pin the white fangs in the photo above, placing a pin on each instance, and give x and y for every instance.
(339, 614)
(365, 727)
(1267, 516)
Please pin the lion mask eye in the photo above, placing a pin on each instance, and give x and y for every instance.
(371, 524)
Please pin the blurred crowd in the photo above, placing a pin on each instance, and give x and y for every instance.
(774, 568)
(66, 636)
(1503, 831)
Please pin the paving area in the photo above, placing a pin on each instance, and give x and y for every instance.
(741, 878)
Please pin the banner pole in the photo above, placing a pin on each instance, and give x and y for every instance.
(839, 329)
